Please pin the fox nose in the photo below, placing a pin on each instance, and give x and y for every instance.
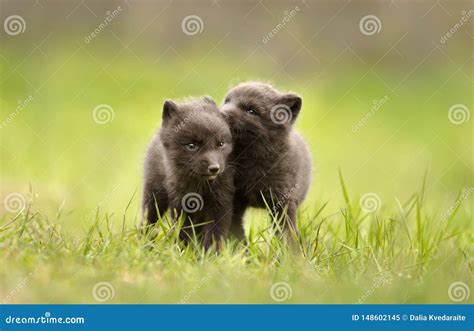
(213, 169)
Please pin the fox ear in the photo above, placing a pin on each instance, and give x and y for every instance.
(293, 102)
(209, 100)
(169, 110)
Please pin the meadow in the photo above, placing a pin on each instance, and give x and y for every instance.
(389, 214)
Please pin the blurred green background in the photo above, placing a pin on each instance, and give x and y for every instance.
(142, 56)
(52, 145)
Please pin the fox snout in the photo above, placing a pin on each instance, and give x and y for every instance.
(231, 115)
(229, 111)
(213, 169)
(212, 164)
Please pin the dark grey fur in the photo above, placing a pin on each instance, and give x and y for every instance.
(173, 168)
(273, 164)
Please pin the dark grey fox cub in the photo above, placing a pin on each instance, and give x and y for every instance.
(186, 169)
(273, 164)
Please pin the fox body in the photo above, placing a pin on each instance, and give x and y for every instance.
(273, 164)
(186, 169)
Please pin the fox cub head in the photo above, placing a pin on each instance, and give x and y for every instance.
(255, 109)
(196, 138)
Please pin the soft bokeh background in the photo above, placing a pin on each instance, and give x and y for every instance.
(54, 148)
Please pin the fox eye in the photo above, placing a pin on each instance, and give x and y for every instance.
(191, 147)
(251, 111)
(221, 144)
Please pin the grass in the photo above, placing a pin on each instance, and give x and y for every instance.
(78, 227)
(402, 255)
